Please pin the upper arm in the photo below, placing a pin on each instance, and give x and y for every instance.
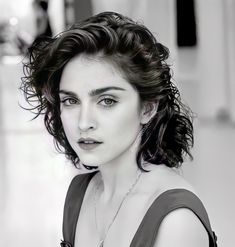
(182, 228)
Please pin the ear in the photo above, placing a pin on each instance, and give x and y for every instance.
(148, 110)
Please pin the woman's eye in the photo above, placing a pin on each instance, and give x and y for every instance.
(69, 101)
(108, 102)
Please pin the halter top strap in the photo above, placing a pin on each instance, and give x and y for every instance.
(164, 204)
(147, 232)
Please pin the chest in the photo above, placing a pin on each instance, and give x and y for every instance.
(91, 229)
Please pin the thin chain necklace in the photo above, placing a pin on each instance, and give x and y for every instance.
(101, 243)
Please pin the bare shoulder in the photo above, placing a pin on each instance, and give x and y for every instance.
(164, 178)
(182, 228)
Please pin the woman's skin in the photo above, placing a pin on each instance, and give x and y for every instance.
(115, 118)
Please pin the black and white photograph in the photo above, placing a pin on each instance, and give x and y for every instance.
(117, 123)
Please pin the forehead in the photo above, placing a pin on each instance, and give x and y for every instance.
(85, 72)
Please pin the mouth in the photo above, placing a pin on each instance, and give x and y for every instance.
(88, 146)
(88, 143)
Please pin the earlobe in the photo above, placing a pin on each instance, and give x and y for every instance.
(149, 109)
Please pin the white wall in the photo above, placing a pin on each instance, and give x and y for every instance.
(22, 11)
(56, 14)
(230, 53)
(158, 16)
(212, 57)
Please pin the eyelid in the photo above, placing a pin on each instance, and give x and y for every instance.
(108, 95)
(74, 97)
(65, 100)
(114, 102)
(64, 97)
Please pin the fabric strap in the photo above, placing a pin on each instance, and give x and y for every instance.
(147, 232)
(73, 203)
(164, 204)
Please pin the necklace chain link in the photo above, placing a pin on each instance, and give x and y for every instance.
(101, 243)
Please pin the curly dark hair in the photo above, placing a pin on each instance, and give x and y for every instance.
(167, 138)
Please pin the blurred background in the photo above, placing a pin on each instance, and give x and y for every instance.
(34, 178)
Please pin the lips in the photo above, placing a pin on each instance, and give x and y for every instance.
(88, 143)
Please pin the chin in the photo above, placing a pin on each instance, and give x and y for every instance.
(92, 162)
(95, 160)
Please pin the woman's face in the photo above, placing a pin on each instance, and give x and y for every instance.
(97, 102)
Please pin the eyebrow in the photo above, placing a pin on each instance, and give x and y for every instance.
(94, 92)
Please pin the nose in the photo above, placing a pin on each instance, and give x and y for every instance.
(86, 120)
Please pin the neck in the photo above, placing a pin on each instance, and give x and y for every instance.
(118, 176)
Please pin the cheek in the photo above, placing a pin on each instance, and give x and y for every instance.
(68, 123)
(125, 123)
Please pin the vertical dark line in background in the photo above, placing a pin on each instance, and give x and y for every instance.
(83, 9)
(186, 23)
(76, 10)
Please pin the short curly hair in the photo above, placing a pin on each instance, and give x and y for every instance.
(168, 137)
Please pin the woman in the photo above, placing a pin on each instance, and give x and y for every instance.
(106, 91)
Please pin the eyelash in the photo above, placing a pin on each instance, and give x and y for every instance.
(108, 98)
(67, 101)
